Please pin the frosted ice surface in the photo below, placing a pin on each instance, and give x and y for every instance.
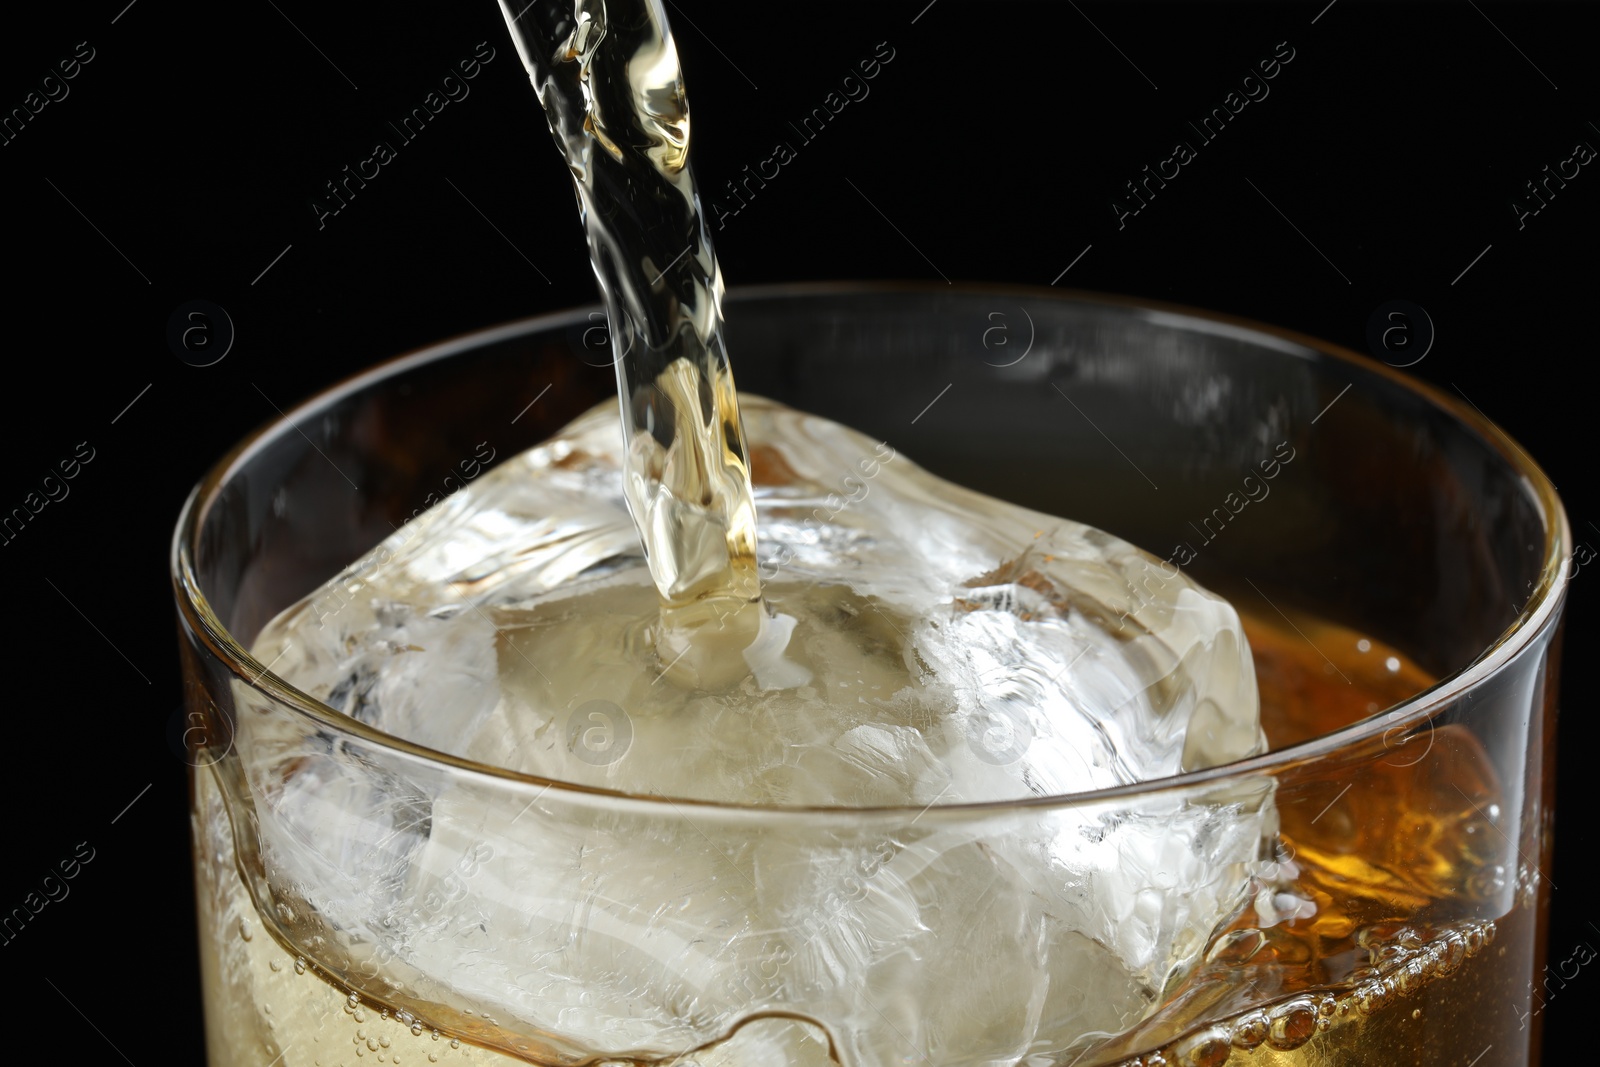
(995, 652)
(924, 646)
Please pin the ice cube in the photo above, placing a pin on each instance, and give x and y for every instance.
(929, 647)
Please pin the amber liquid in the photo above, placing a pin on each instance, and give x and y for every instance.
(1358, 978)
(1361, 981)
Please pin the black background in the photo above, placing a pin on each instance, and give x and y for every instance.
(184, 162)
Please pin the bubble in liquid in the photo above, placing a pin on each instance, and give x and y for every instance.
(1209, 1048)
(1250, 1030)
(1292, 1024)
(1455, 953)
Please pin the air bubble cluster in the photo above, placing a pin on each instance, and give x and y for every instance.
(1401, 960)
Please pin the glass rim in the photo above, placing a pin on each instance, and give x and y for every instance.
(1535, 616)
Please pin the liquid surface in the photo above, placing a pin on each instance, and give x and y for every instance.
(1374, 976)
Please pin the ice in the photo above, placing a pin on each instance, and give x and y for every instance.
(923, 646)
(1028, 655)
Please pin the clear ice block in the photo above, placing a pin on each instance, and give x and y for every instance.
(922, 646)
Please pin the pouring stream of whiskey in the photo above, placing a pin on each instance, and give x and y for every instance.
(607, 74)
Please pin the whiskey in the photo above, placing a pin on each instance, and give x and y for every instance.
(1373, 976)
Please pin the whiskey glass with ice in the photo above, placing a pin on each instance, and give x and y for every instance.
(1368, 890)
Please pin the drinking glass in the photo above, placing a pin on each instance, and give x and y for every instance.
(1401, 573)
